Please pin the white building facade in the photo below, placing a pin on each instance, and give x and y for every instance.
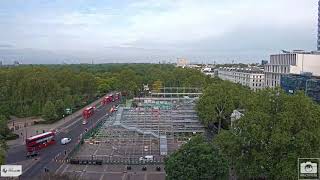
(290, 63)
(181, 62)
(251, 77)
(208, 71)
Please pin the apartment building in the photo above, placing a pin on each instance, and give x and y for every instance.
(251, 77)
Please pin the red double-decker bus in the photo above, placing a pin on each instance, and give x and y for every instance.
(117, 97)
(107, 100)
(88, 112)
(37, 142)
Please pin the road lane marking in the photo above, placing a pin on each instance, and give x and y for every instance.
(104, 170)
(64, 128)
(64, 170)
(124, 176)
(59, 168)
(30, 165)
(77, 120)
(95, 152)
(83, 171)
(145, 176)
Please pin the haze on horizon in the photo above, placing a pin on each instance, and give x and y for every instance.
(78, 31)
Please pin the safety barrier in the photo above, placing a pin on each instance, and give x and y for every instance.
(91, 131)
(115, 160)
(85, 162)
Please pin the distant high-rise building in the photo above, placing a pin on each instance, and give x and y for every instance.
(0, 63)
(318, 42)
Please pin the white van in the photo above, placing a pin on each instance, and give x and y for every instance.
(65, 141)
(146, 158)
(149, 158)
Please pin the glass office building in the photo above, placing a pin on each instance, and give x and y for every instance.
(307, 83)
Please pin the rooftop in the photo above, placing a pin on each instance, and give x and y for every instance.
(245, 70)
(300, 52)
(39, 135)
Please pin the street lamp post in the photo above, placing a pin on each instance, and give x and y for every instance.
(25, 129)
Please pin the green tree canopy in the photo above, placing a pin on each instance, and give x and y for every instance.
(4, 133)
(218, 102)
(276, 130)
(197, 159)
(60, 108)
(49, 111)
(24, 90)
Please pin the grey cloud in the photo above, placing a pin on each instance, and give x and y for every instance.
(6, 46)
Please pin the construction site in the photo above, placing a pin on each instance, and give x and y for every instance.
(143, 132)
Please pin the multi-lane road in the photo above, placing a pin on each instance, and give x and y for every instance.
(71, 129)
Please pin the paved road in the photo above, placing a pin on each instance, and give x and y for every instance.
(45, 159)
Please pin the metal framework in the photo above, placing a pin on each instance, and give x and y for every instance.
(148, 129)
(176, 92)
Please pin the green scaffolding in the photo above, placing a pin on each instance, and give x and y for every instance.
(159, 105)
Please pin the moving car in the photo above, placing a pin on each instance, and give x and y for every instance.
(65, 141)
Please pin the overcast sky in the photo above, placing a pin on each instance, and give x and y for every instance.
(73, 31)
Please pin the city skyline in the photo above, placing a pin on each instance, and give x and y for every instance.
(144, 31)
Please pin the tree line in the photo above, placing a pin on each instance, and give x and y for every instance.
(265, 143)
(47, 90)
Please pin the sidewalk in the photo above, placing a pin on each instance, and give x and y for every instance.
(39, 128)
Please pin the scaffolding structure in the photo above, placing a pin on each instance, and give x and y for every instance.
(176, 92)
(157, 127)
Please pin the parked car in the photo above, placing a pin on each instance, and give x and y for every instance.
(146, 159)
